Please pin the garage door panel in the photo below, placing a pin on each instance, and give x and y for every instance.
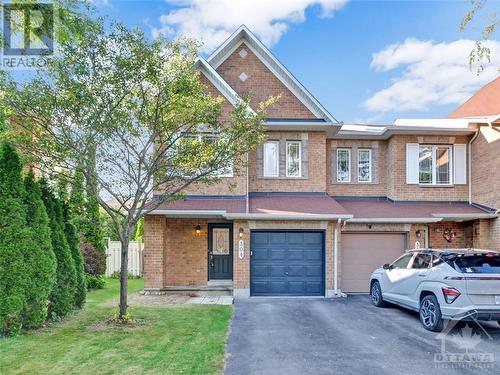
(362, 253)
(287, 263)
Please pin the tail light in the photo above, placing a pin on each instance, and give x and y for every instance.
(450, 294)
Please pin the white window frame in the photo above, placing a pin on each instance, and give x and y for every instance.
(288, 143)
(434, 165)
(369, 165)
(229, 168)
(348, 164)
(277, 168)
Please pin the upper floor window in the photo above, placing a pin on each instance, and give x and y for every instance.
(434, 165)
(364, 165)
(271, 159)
(293, 159)
(343, 165)
(225, 171)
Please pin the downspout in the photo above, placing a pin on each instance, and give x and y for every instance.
(476, 134)
(247, 203)
(337, 292)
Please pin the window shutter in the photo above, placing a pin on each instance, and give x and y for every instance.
(412, 150)
(460, 164)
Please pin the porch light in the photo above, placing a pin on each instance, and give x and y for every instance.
(417, 233)
(198, 230)
(241, 232)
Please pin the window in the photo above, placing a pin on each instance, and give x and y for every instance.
(364, 165)
(434, 165)
(343, 165)
(226, 171)
(489, 263)
(421, 261)
(402, 262)
(293, 159)
(271, 159)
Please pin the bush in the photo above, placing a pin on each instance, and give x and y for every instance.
(14, 241)
(41, 260)
(62, 297)
(116, 275)
(94, 260)
(95, 281)
(74, 246)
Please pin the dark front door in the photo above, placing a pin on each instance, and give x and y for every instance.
(220, 251)
(287, 263)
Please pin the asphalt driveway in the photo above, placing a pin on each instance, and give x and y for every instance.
(350, 336)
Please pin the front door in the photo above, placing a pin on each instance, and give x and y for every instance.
(220, 251)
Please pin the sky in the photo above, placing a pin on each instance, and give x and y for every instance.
(365, 61)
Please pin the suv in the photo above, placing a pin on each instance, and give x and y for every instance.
(461, 284)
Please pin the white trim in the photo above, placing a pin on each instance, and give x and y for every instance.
(390, 220)
(370, 160)
(277, 168)
(316, 217)
(348, 164)
(299, 143)
(434, 165)
(243, 34)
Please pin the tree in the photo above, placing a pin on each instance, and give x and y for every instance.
(132, 113)
(481, 54)
(77, 202)
(14, 240)
(41, 260)
(74, 246)
(62, 297)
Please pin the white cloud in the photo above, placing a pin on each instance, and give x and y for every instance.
(212, 21)
(432, 74)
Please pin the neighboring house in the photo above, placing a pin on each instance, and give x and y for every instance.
(321, 203)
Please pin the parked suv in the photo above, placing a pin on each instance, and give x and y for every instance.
(461, 284)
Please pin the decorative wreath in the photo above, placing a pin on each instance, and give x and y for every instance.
(448, 235)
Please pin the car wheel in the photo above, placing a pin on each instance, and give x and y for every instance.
(430, 314)
(376, 295)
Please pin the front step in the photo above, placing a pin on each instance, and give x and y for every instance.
(211, 289)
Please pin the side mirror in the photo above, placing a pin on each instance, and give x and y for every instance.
(386, 266)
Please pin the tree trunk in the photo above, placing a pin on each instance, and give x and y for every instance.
(124, 277)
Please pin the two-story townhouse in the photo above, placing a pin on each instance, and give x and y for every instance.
(321, 204)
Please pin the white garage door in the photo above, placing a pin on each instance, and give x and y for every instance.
(362, 253)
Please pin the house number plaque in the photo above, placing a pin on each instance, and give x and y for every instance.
(241, 249)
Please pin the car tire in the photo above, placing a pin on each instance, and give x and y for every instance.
(376, 295)
(430, 314)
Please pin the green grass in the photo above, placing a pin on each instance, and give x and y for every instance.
(172, 340)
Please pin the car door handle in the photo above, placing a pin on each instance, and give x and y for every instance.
(421, 275)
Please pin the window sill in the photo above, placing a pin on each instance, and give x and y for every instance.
(436, 185)
(282, 178)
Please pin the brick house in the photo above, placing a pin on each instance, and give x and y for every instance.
(321, 203)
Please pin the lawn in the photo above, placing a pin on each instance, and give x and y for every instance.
(170, 340)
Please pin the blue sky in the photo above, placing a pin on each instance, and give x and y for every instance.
(366, 61)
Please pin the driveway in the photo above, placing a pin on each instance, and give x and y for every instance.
(346, 336)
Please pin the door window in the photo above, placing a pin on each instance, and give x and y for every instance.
(402, 262)
(421, 261)
(220, 242)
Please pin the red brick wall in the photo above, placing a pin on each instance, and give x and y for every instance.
(262, 84)
(154, 251)
(436, 239)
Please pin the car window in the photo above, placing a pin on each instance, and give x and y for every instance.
(479, 264)
(421, 261)
(401, 262)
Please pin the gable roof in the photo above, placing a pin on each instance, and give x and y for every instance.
(218, 82)
(485, 102)
(244, 35)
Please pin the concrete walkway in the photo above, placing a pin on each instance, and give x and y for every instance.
(344, 336)
(211, 300)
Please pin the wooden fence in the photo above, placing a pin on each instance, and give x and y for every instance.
(135, 257)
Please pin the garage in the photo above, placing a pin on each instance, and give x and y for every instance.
(362, 253)
(287, 263)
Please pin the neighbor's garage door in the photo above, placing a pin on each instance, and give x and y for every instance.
(362, 253)
(287, 264)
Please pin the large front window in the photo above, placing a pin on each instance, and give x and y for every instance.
(293, 159)
(271, 159)
(435, 165)
(343, 165)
